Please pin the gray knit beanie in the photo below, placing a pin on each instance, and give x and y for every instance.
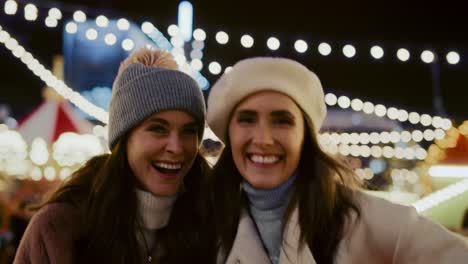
(253, 75)
(140, 90)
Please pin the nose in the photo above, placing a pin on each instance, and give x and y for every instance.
(174, 143)
(262, 135)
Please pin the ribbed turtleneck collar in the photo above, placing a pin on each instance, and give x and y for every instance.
(267, 208)
(155, 211)
(269, 199)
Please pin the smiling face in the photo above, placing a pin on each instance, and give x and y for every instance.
(266, 134)
(161, 151)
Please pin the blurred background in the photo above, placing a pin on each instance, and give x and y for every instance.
(395, 77)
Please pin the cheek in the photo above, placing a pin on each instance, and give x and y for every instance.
(237, 136)
(235, 141)
(191, 147)
(232, 135)
(236, 147)
(133, 158)
(132, 150)
(294, 141)
(150, 146)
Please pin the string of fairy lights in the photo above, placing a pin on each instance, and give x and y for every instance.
(401, 115)
(54, 16)
(247, 41)
(91, 34)
(383, 137)
(347, 50)
(199, 36)
(193, 64)
(409, 153)
(50, 79)
(325, 49)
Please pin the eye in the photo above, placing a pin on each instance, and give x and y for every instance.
(248, 119)
(157, 128)
(190, 130)
(283, 121)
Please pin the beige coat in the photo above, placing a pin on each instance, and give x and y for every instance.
(386, 233)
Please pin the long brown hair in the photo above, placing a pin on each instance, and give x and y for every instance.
(323, 196)
(104, 189)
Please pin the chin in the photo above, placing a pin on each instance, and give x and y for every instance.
(165, 191)
(263, 184)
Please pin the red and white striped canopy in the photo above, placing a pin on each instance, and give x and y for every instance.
(50, 119)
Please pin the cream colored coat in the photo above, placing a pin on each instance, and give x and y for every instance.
(386, 233)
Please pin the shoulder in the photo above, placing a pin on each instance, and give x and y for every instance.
(411, 236)
(379, 214)
(57, 222)
(50, 235)
(381, 220)
(372, 206)
(56, 215)
(378, 211)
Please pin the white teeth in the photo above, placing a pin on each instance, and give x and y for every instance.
(170, 166)
(264, 159)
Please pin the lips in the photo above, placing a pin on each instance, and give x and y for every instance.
(264, 159)
(168, 170)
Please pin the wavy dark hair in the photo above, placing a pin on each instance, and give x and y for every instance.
(323, 195)
(104, 189)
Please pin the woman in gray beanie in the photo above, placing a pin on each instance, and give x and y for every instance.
(142, 202)
(278, 198)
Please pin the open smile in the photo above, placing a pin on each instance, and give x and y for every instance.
(264, 159)
(168, 170)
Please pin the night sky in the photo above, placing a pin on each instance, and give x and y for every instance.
(388, 81)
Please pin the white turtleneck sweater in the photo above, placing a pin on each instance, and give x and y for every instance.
(155, 212)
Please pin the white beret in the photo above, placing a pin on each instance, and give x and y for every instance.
(253, 75)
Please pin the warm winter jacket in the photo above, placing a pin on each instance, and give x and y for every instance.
(386, 233)
(50, 236)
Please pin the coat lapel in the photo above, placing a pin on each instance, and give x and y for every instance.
(248, 247)
(291, 252)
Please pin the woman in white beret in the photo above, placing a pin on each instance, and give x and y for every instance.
(279, 198)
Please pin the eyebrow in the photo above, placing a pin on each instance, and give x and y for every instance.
(247, 112)
(275, 113)
(283, 113)
(158, 120)
(166, 123)
(191, 124)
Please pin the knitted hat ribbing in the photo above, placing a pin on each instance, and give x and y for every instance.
(253, 75)
(141, 90)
